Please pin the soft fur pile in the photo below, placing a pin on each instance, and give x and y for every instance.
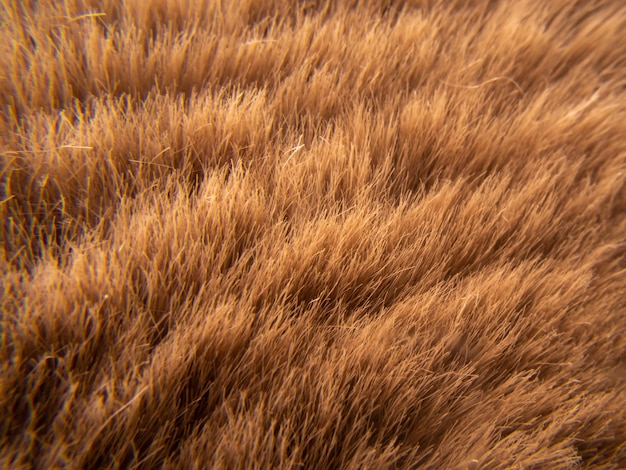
(342, 234)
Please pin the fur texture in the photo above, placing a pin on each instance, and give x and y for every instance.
(342, 234)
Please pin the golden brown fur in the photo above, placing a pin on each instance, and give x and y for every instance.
(347, 234)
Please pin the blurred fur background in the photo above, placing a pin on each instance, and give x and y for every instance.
(342, 234)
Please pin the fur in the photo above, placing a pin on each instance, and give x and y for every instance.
(342, 234)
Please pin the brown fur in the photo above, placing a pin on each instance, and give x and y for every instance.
(347, 234)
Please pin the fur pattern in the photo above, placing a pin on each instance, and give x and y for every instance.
(343, 234)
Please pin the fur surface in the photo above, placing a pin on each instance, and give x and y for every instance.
(348, 234)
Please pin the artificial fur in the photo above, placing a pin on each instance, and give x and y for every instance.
(341, 234)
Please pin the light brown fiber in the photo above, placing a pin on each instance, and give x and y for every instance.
(325, 234)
